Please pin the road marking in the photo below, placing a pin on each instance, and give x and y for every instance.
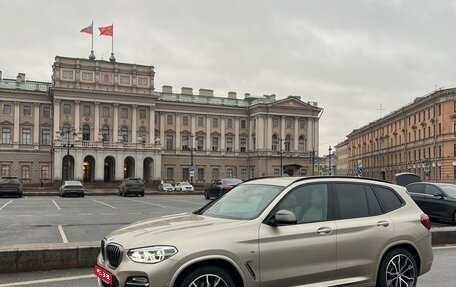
(41, 281)
(52, 215)
(196, 203)
(113, 207)
(134, 213)
(145, 202)
(84, 214)
(56, 205)
(6, 204)
(24, 215)
(108, 213)
(444, 247)
(64, 238)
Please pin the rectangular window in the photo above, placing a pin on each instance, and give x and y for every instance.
(200, 121)
(230, 172)
(215, 122)
(185, 120)
(86, 110)
(276, 171)
(215, 143)
(200, 142)
(243, 144)
(352, 200)
(229, 123)
(105, 111)
(46, 112)
(46, 137)
(275, 122)
(169, 119)
(302, 124)
(243, 174)
(44, 172)
(142, 114)
(169, 142)
(27, 111)
(25, 172)
(5, 170)
(243, 124)
(289, 123)
(185, 142)
(200, 174)
(215, 174)
(26, 136)
(6, 136)
(229, 144)
(66, 109)
(124, 113)
(7, 109)
(169, 173)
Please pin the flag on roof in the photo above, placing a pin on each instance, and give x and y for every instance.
(88, 29)
(107, 30)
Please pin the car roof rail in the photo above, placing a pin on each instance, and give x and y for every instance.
(340, 176)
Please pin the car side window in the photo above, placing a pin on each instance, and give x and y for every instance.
(416, 188)
(388, 198)
(308, 202)
(352, 201)
(431, 190)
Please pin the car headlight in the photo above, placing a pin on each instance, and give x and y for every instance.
(152, 254)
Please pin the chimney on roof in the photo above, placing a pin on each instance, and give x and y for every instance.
(231, 95)
(20, 78)
(206, 92)
(167, 89)
(187, 91)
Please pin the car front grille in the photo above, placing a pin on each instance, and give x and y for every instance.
(114, 255)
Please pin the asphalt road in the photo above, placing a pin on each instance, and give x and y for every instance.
(54, 219)
(441, 275)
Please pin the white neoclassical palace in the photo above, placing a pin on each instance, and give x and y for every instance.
(101, 121)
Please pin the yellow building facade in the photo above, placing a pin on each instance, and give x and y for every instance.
(419, 137)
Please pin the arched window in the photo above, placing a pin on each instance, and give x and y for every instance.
(105, 133)
(85, 132)
(124, 134)
(301, 144)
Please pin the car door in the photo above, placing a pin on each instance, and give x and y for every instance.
(437, 206)
(362, 231)
(302, 253)
(416, 192)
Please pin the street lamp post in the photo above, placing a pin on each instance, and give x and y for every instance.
(192, 168)
(66, 132)
(329, 149)
(281, 156)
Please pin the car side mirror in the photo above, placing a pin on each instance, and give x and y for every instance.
(284, 217)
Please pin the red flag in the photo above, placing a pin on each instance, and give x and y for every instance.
(107, 31)
(88, 29)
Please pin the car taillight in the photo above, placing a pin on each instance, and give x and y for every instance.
(425, 221)
(228, 187)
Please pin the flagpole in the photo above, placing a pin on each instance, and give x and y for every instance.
(112, 58)
(92, 55)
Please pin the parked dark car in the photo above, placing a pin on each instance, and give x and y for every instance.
(72, 187)
(437, 200)
(11, 185)
(220, 187)
(131, 185)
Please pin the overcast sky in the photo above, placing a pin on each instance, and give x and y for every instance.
(358, 59)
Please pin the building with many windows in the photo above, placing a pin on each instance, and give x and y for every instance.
(419, 137)
(101, 121)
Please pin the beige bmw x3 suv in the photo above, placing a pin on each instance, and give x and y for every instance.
(273, 232)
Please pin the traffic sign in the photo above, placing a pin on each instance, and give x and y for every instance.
(192, 170)
(359, 170)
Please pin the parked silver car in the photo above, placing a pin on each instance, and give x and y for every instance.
(282, 231)
(11, 185)
(72, 187)
(184, 186)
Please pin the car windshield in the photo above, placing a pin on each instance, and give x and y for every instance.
(167, 185)
(244, 202)
(185, 184)
(73, 183)
(449, 189)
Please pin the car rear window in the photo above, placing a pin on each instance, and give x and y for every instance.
(388, 198)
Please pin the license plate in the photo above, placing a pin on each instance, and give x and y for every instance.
(103, 274)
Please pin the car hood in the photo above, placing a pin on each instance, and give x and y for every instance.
(172, 229)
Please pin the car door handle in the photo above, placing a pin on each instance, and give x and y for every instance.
(383, 223)
(324, 230)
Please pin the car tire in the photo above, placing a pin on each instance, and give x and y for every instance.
(82, 195)
(207, 275)
(398, 265)
(142, 194)
(206, 196)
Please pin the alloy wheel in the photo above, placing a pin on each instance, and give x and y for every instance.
(208, 280)
(400, 272)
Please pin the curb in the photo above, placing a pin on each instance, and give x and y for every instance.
(45, 257)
